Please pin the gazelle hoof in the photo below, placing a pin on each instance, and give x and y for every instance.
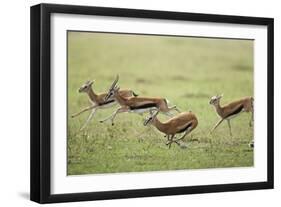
(112, 124)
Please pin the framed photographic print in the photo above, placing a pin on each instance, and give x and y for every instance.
(133, 103)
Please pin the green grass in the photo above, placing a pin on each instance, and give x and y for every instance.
(186, 71)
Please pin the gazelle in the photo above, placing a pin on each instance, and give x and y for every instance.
(98, 100)
(135, 104)
(184, 122)
(232, 109)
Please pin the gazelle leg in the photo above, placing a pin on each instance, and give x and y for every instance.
(112, 117)
(171, 141)
(217, 124)
(168, 138)
(119, 111)
(89, 119)
(84, 110)
(174, 108)
(109, 117)
(168, 113)
(252, 119)
(229, 126)
(182, 137)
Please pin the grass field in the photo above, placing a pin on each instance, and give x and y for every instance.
(187, 71)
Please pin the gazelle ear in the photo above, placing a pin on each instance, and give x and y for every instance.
(91, 82)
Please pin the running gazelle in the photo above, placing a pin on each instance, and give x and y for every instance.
(98, 100)
(231, 110)
(136, 104)
(183, 122)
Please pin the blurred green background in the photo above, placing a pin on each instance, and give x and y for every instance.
(185, 70)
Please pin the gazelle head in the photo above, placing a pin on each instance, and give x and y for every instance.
(86, 87)
(113, 89)
(151, 117)
(215, 99)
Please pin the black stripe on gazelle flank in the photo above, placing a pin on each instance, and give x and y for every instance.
(185, 128)
(144, 106)
(106, 102)
(238, 110)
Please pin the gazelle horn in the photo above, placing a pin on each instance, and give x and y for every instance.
(114, 82)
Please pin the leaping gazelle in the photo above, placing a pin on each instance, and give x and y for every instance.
(232, 109)
(184, 122)
(136, 104)
(98, 100)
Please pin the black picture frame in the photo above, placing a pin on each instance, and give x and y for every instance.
(41, 99)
